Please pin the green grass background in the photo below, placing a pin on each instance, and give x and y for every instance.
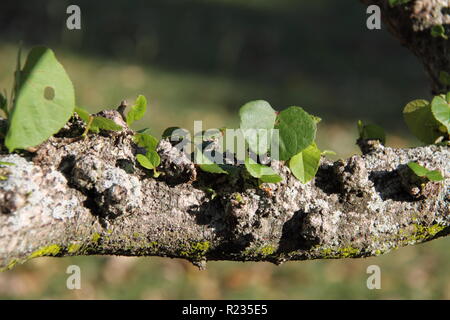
(202, 60)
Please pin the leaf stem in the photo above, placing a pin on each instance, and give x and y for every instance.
(88, 127)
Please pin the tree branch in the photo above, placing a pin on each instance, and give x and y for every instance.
(84, 197)
(89, 196)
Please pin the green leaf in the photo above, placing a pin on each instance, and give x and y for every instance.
(317, 120)
(394, 3)
(435, 175)
(273, 178)
(44, 101)
(154, 158)
(360, 128)
(253, 168)
(145, 162)
(371, 132)
(438, 31)
(169, 131)
(104, 124)
(262, 172)
(3, 163)
(137, 111)
(374, 132)
(213, 168)
(420, 171)
(441, 111)
(150, 161)
(84, 115)
(257, 115)
(328, 153)
(94, 124)
(145, 140)
(297, 130)
(176, 134)
(421, 122)
(304, 165)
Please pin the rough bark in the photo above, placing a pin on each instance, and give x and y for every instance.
(89, 196)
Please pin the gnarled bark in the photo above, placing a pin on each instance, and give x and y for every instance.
(81, 197)
(89, 196)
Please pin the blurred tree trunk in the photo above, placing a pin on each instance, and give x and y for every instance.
(412, 24)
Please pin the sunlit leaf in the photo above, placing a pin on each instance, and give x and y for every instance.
(104, 124)
(154, 158)
(297, 130)
(151, 160)
(144, 161)
(421, 171)
(44, 101)
(441, 111)
(262, 172)
(137, 111)
(83, 114)
(145, 140)
(328, 153)
(272, 178)
(213, 168)
(3, 163)
(305, 164)
(421, 121)
(435, 175)
(257, 121)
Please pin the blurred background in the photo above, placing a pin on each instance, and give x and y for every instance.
(202, 60)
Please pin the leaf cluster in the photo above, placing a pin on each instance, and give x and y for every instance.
(96, 123)
(292, 131)
(151, 159)
(421, 171)
(429, 122)
(42, 101)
